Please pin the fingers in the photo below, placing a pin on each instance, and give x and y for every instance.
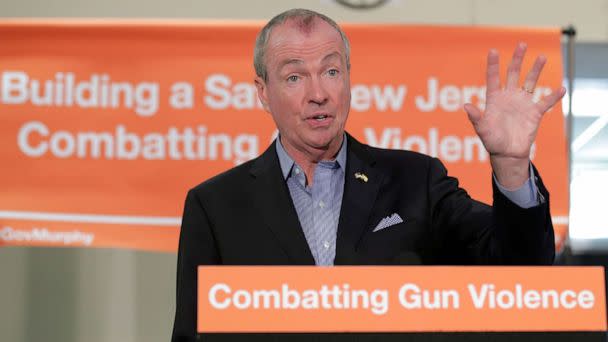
(473, 112)
(550, 100)
(532, 77)
(493, 72)
(515, 66)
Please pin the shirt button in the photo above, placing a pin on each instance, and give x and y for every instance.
(321, 204)
(297, 171)
(326, 244)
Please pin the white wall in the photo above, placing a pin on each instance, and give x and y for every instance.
(590, 17)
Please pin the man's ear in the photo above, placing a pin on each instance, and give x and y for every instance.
(260, 85)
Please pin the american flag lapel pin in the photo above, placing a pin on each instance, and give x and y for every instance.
(361, 176)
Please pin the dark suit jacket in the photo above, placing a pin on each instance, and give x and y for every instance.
(245, 216)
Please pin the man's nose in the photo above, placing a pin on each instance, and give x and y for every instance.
(316, 91)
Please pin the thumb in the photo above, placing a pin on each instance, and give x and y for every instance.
(473, 112)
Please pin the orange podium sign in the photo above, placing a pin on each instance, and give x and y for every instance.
(282, 299)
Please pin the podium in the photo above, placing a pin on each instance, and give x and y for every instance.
(401, 303)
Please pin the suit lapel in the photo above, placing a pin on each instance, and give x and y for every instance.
(357, 201)
(277, 209)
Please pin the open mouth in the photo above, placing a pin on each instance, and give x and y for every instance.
(319, 120)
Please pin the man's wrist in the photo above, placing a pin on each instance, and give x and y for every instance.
(511, 173)
(527, 195)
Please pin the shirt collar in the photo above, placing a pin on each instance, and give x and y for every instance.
(287, 162)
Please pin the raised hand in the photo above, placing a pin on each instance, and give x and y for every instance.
(509, 125)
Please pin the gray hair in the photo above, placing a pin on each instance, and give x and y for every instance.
(306, 17)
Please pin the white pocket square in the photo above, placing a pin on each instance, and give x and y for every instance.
(388, 221)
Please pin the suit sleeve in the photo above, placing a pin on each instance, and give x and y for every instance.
(196, 247)
(466, 231)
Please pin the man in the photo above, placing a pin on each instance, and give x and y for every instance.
(317, 196)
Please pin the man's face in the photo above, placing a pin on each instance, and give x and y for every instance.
(307, 89)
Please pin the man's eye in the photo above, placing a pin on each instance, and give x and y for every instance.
(293, 78)
(332, 72)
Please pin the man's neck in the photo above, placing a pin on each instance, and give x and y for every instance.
(309, 159)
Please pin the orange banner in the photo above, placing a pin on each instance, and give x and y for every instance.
(106, 125)
(400, 299)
